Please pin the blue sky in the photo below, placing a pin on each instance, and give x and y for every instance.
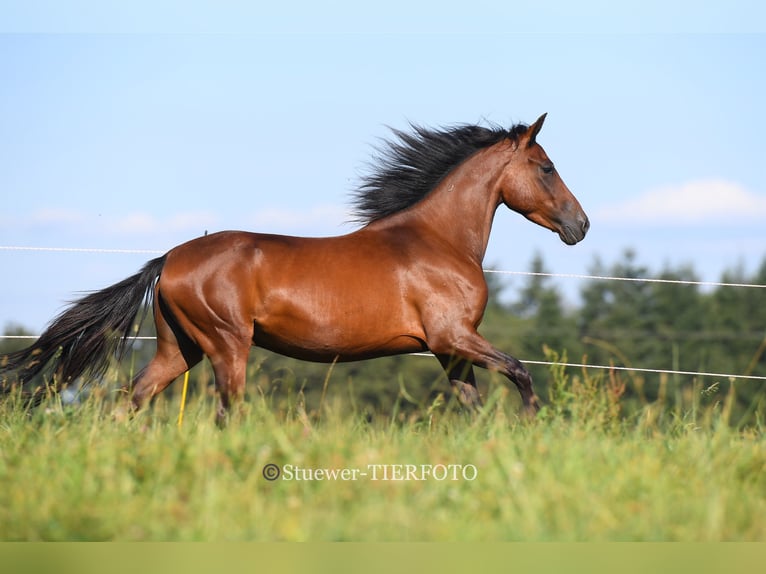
(142, 141)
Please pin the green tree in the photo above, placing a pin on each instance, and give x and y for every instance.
(736, 320)
(615, 321)
(540, 304)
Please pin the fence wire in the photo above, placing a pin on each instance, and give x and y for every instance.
(498, 271)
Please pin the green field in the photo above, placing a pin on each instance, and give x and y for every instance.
(581, 471)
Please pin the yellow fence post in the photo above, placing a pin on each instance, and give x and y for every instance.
(183, 399)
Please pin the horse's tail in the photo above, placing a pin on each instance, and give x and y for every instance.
(85, 337)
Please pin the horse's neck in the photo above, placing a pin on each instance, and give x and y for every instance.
(461, 208)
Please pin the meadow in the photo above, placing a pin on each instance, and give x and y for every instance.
(582, 470)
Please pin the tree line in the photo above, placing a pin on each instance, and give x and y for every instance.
(671, 326)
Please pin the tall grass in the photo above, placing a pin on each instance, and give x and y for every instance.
(582, 470)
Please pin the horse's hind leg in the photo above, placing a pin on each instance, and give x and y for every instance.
(229, 360)
(461, 377)
(175, 355)
(168, 364)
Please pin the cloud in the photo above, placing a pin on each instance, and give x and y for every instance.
(146, 223)
(692, 203)
(57, 216)
(317, 219)
(66, 222)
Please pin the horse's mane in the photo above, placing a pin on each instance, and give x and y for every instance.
(408, 167)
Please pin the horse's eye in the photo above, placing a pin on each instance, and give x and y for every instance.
(548, 169)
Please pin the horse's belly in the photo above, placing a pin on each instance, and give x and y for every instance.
(347, 334)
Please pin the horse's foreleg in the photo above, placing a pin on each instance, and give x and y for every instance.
(461, 377)
(472, 347)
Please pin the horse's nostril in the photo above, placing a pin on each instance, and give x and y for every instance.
(585, 224)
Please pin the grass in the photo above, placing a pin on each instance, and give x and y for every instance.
(580, 471)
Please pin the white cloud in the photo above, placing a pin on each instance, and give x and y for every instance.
(317, 219)
(65, 222)
(133, 223)
(325, 219)
(697, 202)
(57, 216)
(146, 223)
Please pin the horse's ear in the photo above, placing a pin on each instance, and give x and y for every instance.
(533, 130)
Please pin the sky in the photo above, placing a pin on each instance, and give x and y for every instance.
(137, 131)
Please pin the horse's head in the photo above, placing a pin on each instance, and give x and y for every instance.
(532, 186)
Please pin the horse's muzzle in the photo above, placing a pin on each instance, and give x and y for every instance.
(574, 232)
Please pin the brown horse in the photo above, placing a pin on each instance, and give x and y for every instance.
(410, 279)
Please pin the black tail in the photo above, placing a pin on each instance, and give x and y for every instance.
(86, 336)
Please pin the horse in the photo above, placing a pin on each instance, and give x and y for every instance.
(408, 279)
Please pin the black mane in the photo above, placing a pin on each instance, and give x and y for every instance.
(413, 164)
